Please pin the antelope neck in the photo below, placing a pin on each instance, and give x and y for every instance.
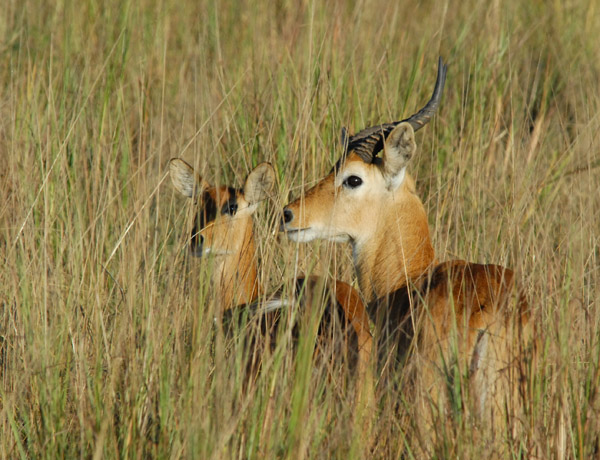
(235, 276)
(398, 251)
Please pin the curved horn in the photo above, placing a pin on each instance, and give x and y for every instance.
(422, 117)
(367, 142)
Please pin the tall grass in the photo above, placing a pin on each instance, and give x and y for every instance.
(107, 344)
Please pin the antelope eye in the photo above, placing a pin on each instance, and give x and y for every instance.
(229, 208)
(352, 182)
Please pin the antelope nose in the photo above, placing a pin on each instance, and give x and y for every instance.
(288, 216)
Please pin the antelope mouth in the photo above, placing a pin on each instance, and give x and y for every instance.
(195, 250)
(300, 235)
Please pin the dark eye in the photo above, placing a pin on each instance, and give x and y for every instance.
(229, 208)
(352, 182)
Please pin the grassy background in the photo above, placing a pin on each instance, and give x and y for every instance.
(106, 338)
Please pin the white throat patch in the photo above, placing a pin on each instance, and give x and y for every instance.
(397, 180)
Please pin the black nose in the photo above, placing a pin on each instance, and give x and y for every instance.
(288, 216)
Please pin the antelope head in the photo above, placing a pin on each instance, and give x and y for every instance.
(368, 198)
(223, 221)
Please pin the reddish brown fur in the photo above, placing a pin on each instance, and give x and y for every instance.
(437, 309)
(234, 276)
(355, 313)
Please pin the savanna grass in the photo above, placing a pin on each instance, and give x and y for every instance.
(107, 341)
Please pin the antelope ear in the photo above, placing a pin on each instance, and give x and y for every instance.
(259, 183)
(398, 149)
(185, 179)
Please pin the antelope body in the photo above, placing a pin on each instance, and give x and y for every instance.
(223, 229)
(428, 315)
